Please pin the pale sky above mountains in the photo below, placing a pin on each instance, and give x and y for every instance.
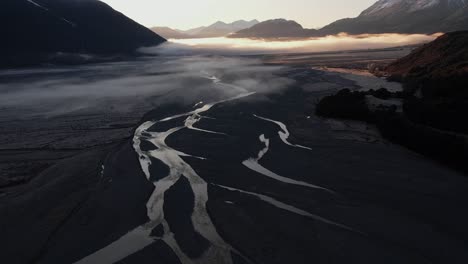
(185, 14)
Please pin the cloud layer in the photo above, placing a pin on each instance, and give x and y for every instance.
(250, 46)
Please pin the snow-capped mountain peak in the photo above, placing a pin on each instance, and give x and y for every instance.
(408, 6)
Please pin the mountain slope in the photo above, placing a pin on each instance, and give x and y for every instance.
(437, 75)
(218, 29)
(221, 29)
(85, 26)
(276, 28)
(169, 33)
(193, 31)
(435, 101)
(385, 16)
(440, 67)
(405, 16)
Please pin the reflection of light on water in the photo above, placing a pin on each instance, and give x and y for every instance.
(329, 43)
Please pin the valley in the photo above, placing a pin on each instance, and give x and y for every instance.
(208, 177)
(136, 132)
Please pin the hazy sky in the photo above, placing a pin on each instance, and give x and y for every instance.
(185, 14)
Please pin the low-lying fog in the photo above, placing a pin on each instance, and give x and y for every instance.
(125, 86)
(330, 43)
(180, 73)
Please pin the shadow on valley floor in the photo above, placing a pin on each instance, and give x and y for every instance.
(331, 191)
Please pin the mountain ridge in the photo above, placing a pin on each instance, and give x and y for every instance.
(275, 28)
(169, 33)
(384, 16)
(403, 16)
(217, 29)
(79, 26)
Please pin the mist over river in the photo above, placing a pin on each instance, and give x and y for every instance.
(185, 156)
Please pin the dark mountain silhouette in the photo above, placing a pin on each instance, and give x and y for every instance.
(275, 28)
(75, 26)
(435, 101)
(436, 75)
(439, 68)
(385, 16)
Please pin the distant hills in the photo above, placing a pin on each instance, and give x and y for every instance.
(275, 28)
(218, 29)
(169, 33)
(385, 16)
(32, 27)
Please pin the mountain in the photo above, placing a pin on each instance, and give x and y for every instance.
(32, 27)
(169, 33)
(434, 101)
(439, 67)
(385, 16)
(193, 31)
(275, 28)
(436, 74)
(218, 29)
(405, 16)
(221, 29)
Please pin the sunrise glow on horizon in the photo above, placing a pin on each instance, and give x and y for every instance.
(341, 42)
(188, 14)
